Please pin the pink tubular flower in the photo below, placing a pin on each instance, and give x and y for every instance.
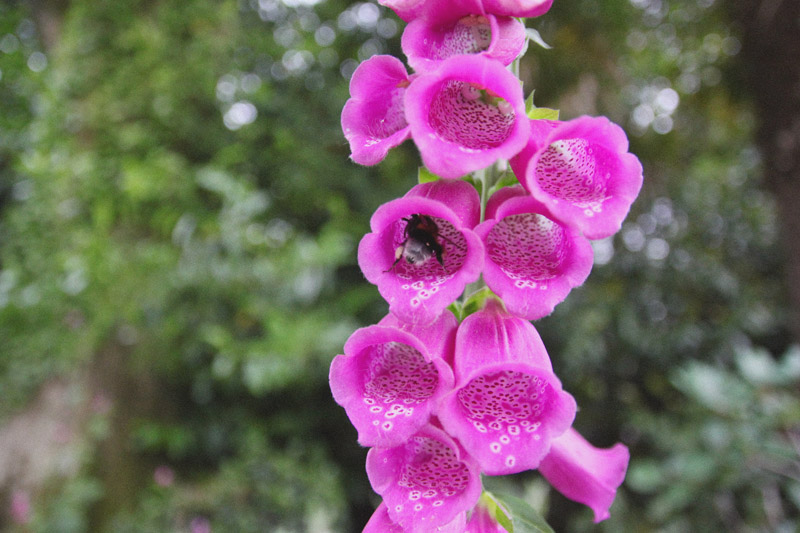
(426, 482)
(422, 251)
(518, 8)
(583, 171)
(532, 260)
(584, 473)
(466, 114)
(381, 523)
(453, 27)
(392, 376)
(373, 119)
(507, 404)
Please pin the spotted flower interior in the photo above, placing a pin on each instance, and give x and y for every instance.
(396, 379)
(507, 408)
(574, 170)
(468, 115)
(469, 35)
(431, 474)
(528, 247)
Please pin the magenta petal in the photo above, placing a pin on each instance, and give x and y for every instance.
(392, 376)
(507, 404)
(466, 114)
(419, 292)
(584, 473)
(426, 482)
(518, 8)
(381, 522)
(405, 9)
(532, 260)
(583, 171)
(448, 30)
(373, 119)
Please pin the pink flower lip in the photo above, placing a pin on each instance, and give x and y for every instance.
(373, 119)
(392, 376)
(380, 522)
(466, 114)
(532, 259)
(518, 8)
(418, 292)
(426, 482)
(583, 171)
(406, 9)
(584, 473)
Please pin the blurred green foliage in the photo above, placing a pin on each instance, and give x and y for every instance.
(178, 226)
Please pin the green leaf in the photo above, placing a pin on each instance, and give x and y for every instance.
(539, 113)
(476, 301)
(496, 510)
(524, 518)
(506, 179)
(426, 176)
(529, 107)
(535, 36)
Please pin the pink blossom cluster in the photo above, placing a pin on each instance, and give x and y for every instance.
(442, 402)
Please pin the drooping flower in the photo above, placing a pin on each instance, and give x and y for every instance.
(426, 482)
(391, 377)
(466, 114)
(453, 27)
(582, 170)
(532, 259)
(584, 473)
(518, 8)
(507, 404)
(373, 119)
(380, 522)
(422, 251)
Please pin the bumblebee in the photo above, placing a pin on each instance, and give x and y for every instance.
(421, 242)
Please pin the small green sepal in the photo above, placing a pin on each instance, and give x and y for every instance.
(507, 179)
(543, 113)
(426, 176)
(476, 301)
(536, 37)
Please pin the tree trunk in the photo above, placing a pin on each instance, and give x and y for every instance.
(771, 53)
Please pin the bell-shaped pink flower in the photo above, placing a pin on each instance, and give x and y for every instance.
(532, 259)
(373, 119)
(380, 522)
(426, 482)
(454, 27)
(507, 404)
(422, 251)
(518, 8)
(583, 171)
(584, 473)
(466, 114)
(392, 376)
